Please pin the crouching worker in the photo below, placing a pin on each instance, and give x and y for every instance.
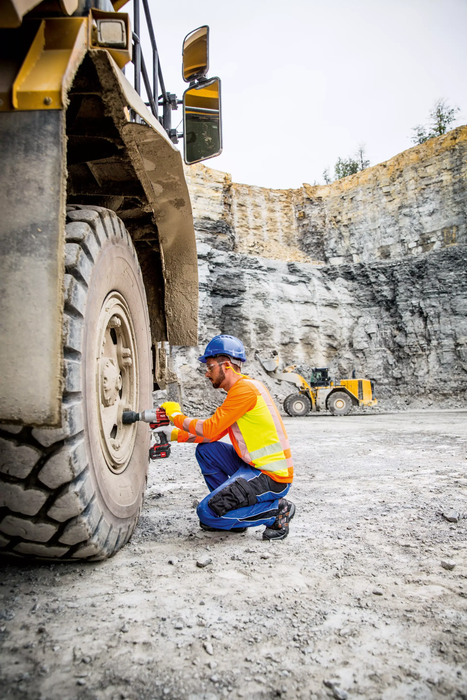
(249, 480)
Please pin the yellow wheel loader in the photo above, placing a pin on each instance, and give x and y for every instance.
(320, 393)
(98, 264)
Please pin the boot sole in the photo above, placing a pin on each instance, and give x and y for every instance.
(237, 530)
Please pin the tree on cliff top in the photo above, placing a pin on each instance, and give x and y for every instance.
(348, 166)
(441, 117)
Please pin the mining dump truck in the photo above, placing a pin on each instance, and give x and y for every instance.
(98, 270)
(320, 393)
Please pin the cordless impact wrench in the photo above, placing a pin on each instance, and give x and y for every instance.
(157, 418)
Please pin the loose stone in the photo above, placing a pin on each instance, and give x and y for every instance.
(204, 561)
(452, 516)
(447, 564)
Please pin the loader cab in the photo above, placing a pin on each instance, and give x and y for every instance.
(320, 377)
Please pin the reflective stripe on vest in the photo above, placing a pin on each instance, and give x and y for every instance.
(268, 450)
(273, 457)
(241, 443)
(278, 425)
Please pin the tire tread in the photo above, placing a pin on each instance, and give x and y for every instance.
(51, 489)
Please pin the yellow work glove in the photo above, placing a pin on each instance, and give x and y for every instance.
(172, 408)
(174, 435)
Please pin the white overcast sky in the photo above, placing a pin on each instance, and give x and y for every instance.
(304, 82)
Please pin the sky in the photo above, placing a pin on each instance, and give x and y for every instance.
(306, 82)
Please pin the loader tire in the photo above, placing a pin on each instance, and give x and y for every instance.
(75, 492)
(297, 405)
(339, 403)
(286, 405)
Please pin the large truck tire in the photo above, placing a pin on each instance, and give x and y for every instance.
(75, 492)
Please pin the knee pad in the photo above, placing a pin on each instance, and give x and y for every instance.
(237, 494)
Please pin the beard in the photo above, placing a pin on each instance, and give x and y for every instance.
(217, 382)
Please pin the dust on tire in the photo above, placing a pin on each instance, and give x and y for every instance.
(297, 405)
(339, 403)
(60, 496)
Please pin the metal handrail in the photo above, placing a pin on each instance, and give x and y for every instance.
(144, 73)
(165, 99)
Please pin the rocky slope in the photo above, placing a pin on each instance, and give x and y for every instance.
(368, 273)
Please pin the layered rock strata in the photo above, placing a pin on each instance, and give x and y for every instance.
(366, 274)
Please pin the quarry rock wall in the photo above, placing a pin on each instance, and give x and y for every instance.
(368, 273)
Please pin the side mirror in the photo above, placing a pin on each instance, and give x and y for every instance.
(195, 54)
(202, 126)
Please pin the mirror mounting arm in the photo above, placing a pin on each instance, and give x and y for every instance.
(168, 104)
(171, 100)
(173, 136)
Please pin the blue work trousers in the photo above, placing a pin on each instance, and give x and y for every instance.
(219, 465)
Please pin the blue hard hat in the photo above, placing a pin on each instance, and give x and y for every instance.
(224, 345)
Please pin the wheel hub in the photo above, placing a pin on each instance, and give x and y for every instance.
(111, 381)
(340, 404)
(117, 388)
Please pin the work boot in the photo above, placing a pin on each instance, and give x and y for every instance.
(207, 528)
(280, 527)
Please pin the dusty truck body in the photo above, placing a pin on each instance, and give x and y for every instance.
(98, 270)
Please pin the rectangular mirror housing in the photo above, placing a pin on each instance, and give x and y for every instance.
(202, 123)
(195, 54)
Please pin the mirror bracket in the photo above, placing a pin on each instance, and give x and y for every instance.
(173, 135)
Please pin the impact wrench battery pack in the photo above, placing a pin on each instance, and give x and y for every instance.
(160, 450)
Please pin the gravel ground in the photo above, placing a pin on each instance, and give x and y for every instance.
(365, 599)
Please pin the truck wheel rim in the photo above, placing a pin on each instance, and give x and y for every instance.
(116, 381)
(340, 403)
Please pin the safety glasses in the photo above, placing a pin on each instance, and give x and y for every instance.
(209, 368)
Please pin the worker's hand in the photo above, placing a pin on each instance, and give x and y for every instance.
(174, 435)
(172, 408)
(160, 429)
